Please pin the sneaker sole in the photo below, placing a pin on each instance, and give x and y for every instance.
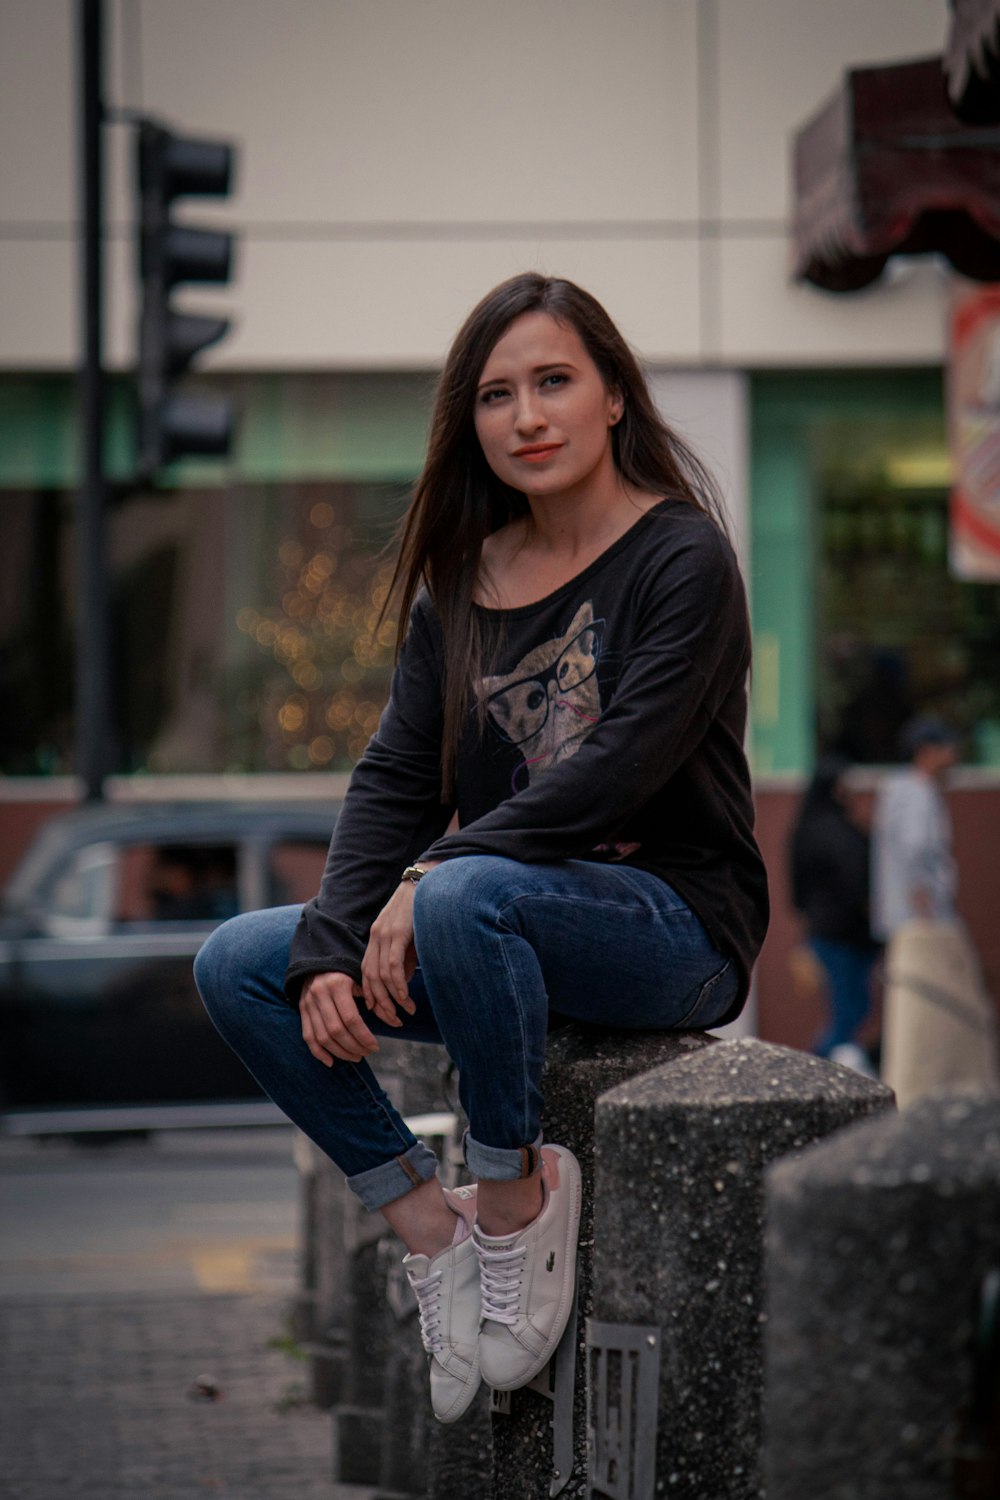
(463, 1400)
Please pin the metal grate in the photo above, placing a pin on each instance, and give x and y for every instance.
(623, 1378)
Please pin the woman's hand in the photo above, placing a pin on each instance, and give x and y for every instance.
(332, 1026)
(390, 957)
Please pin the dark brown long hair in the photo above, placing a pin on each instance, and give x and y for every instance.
(458, 501)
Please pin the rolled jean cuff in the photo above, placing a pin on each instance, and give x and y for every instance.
(385, 1183)
(502, 1163)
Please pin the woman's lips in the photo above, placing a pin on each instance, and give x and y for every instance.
(536, 454)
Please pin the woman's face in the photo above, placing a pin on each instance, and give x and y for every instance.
(543, 414)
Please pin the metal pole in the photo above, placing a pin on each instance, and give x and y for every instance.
(93, 690)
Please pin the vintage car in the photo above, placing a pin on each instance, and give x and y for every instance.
(99, 925)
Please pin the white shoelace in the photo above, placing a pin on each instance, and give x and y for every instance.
(500, 1273)
(428, 1292)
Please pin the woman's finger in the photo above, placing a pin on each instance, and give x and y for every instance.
(344, 1025)
(309, 1036)
(374, 985)
(394, 972)
(384, 966)
(336, 1022)
(389, 944)
(324, 1048)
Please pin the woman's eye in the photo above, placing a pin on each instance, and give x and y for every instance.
(489, 398)
(555, 380)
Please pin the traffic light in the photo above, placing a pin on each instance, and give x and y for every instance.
(172, 424)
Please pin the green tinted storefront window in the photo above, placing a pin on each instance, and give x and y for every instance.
(857, 621)
(245, 596)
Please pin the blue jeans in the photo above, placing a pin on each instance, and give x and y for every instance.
(848, 972)
(501, 945)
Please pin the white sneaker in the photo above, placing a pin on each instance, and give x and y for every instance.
(447, 1291)
(527, 1280)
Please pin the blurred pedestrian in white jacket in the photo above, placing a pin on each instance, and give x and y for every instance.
(939, 1025)
(913, 872)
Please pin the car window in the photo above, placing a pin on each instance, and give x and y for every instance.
(79, 901)
(176, 882)
(294, 871)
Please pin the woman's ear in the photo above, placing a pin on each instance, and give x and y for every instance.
(616, 408)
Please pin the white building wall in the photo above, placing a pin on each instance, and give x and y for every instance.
(398, 157)
(710, 409)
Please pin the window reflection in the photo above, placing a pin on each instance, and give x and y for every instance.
(244, 623)
(897, 634)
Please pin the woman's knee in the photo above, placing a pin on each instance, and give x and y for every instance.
(247, 955)
(216, 964)
(459, 890)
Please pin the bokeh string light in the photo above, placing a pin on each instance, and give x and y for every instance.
(321, 707)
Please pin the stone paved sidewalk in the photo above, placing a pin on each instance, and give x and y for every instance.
(95, 1402)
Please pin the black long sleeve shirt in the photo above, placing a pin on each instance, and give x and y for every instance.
(615, 711)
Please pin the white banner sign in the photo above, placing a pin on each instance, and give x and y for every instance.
(974, 433)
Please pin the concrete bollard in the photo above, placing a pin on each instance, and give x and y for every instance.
(679, 1261)
(305, 1306)
(361, 1348)
(459, 1457)
(881, 1245)
(581, 1064)
(419, 1456)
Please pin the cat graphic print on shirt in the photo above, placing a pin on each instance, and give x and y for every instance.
(551, 700)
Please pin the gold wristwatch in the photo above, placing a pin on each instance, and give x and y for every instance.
(413, 873)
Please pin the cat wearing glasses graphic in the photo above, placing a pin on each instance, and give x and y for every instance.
(551, 700)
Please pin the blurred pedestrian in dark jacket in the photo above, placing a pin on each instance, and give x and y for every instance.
(829, 867)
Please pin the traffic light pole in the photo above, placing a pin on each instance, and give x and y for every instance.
(93, 654)
(171, 425)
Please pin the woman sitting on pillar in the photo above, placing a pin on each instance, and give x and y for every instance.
(553, 816)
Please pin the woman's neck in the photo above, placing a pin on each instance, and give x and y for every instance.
(558, 538)
(570, 526)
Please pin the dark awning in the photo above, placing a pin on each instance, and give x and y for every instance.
(887, 169)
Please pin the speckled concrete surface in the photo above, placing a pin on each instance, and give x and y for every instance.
(580, 1065)
(681, 1155)
(878, 1243)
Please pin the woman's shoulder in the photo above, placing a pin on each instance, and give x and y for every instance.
(682, 523)
(423, 628)
(682, 539)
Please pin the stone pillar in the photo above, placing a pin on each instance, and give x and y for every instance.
(679, 1250)
(459, 1455)
(581, 1063)
(419, 1456)
(365, 1344)
(879, 1245)
(304, 1307)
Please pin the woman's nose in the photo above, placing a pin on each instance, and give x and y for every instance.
(530, 417)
